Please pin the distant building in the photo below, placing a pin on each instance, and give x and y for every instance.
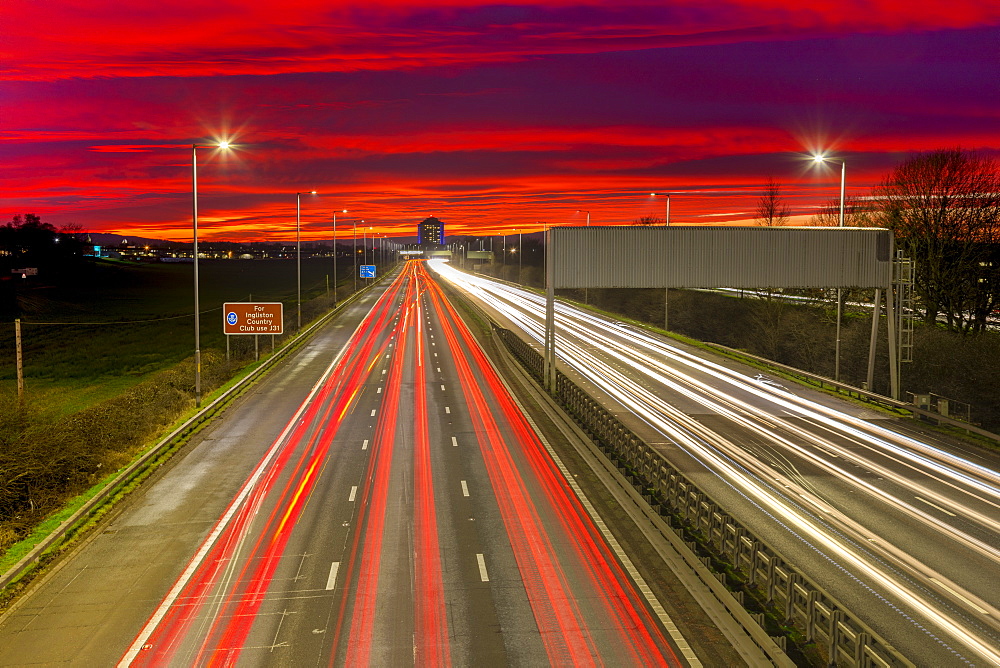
(430, 233)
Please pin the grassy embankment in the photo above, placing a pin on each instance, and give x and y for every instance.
(73, 366)
(102, 385)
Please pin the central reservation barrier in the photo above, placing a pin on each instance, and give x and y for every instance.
(791, 596)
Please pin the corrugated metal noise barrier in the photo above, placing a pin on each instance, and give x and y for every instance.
(736, 555)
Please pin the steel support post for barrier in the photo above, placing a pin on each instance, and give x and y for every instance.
(876, 311)
(550, 317)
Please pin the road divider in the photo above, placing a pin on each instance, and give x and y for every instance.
(795, 599)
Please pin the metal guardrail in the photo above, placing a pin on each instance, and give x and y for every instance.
(858, 392)
(797, 599)
(135, 468)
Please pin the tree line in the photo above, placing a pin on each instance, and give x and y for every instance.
(28, 243)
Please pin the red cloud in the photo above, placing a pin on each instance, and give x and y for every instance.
(188, 38)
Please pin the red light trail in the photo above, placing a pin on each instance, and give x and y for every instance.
(584, 606)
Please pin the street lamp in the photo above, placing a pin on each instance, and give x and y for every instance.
(588, 215)
(298, 254)
(843, 177)
(843, 174)
(364, 243)
(667, 195)
(520, 255)
(194, 225)
(335, 256)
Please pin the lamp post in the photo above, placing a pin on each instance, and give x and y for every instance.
(335, 256)
(586, 291)
(666, 291)
(364, 243)
(520, 255)
(667, 219)
(194, 226)
(298, 255)
(843, 177)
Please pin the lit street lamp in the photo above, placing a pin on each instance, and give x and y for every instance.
(520, 254)
(298, 254)
(194, 224)
(335, 256)
(667, 195)
(586, 291)
(354, 249)
(843, 174)
(364, 243)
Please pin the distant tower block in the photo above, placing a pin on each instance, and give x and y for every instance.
(430, 233)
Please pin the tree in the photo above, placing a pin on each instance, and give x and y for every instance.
(771, 208)
(944, 209)
(28, 242)
(857, 213)
(648, 221)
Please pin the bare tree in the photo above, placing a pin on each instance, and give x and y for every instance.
(771, 208)
(944, 208)
(857, 213)
(648, 221)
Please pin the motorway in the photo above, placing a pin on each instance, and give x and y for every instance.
(407, 513)
(898, 525)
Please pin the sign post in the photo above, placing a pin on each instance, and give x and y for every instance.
(368, 271)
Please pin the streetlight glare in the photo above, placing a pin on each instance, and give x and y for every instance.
(312, 192)
(223, 144)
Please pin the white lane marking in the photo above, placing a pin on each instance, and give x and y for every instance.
(364, 446)
(354, 492)
(447, 410)
(331, 581)
(465, 489)
(442, 388)
(383, 371)
(439, 369)
(379, 391)
(217, 530)
(454, 441)
(373, 412)
(932, 505)
(435, 354)
(944, 586)
(482, 568)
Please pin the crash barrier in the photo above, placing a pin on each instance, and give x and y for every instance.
(860, 393)
(793, 598)
(127, 475)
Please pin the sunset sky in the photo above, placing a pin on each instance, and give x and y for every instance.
(491, 117)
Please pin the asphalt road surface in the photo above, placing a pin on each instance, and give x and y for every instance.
(902, 527)
(406, 514)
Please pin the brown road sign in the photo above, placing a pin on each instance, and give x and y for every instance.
(252, 318)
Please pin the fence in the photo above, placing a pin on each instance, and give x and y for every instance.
(791, 595)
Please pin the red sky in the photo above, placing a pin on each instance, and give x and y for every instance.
(492, 117)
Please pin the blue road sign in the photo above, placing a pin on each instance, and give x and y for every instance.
(231, 318)
(367, 271)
